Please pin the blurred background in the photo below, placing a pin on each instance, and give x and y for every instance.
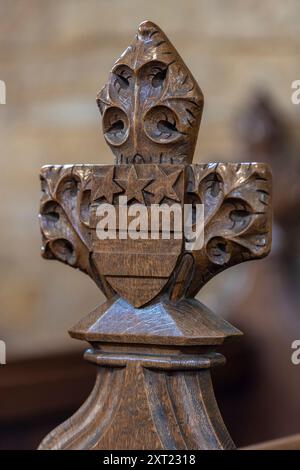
(54, 57)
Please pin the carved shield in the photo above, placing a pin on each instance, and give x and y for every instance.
(137, 265)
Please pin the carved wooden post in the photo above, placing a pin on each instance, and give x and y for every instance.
(152, 342)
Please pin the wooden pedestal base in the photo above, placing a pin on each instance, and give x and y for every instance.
(149, 396)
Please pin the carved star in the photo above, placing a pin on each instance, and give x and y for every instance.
(107, 187)
(163, 186)
(134, 186)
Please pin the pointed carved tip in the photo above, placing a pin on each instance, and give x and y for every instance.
(151, 105)
(147, 27)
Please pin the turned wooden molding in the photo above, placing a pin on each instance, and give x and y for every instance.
(152, 343)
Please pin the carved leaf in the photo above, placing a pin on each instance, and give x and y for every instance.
(64, 217)
(237, 208)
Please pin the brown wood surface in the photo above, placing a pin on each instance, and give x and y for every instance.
(36, 394)
(152, 342)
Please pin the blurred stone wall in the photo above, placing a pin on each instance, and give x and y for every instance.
(54, 56)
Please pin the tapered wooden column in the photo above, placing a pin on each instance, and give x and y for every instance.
(152, 343)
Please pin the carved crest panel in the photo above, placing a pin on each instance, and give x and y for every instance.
(137, 268)
(151, 109)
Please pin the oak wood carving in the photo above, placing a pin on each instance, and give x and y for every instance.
(152, 342)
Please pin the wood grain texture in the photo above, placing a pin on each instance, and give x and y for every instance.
(155, 404)
(152, 342)
(184, 323)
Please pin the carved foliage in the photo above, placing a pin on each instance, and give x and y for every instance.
(237, 207)
(64, 216)
(151, 106)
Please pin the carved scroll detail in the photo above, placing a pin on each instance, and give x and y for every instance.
(238, 216)
(64, 217)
